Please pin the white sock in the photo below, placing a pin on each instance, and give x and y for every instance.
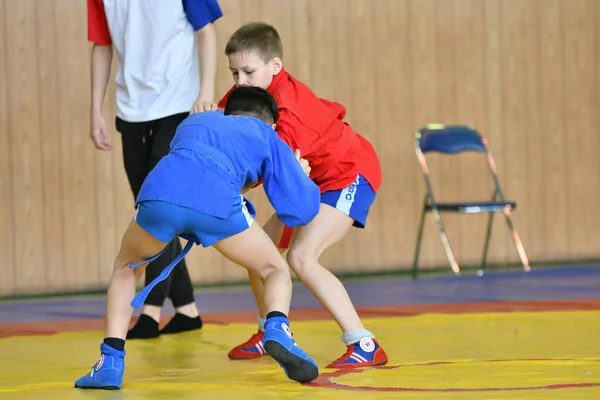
(354, 336)
(261, 323)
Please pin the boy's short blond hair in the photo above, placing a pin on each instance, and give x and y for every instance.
(256, 37)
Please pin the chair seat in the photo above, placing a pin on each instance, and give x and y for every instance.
(473, 207)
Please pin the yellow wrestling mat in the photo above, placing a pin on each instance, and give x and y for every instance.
(539, 355)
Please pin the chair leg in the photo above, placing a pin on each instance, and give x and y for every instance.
(418, 244)
(446, 242)
(486, 245)
(517, 241)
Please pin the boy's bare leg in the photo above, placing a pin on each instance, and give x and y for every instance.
(328, 228)
(254, 250)
(274, 228)
(253, 347)
(137, 245)
(310, 242)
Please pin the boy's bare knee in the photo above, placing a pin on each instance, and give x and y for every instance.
(300, 259)
(269, 269)
(122, 269)
(123, 262)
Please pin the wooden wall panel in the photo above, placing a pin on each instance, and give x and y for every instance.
(393, 114)
(80, 208)
(551, 101)
(24, 127)
(524, 73)
(363, 105)
(581, 109)
(7, 214)
(493, 62)
(49, 136)
(473, 178)
(516, 112)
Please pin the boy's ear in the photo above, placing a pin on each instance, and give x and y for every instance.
(277, 65)
(274, 126)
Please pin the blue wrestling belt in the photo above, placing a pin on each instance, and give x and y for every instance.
(138, 300)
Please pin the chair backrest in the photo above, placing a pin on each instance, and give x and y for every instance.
(449, 139)
(452, 139)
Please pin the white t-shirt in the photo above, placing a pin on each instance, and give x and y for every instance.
(157, 70)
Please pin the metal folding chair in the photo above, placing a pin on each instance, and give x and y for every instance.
(451, 140)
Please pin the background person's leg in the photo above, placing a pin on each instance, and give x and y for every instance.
(137, 144)
(186, 314)
(182, 295)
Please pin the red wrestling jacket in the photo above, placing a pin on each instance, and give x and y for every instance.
(316, 126)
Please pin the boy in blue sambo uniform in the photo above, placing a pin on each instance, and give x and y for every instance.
(195, 192)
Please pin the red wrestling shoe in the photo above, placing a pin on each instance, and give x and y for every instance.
(253, 348)
(364, 353)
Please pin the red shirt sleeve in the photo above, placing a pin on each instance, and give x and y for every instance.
(97, 24)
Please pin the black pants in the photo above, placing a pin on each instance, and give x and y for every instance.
(144, 144)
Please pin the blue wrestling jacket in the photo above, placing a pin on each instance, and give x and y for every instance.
(214, 156)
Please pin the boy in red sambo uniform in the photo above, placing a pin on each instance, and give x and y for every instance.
(345, 167)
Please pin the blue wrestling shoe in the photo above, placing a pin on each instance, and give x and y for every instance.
(279, 344)
(107, 373)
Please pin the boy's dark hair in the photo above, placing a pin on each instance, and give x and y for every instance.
(252, 101)
(256, 36)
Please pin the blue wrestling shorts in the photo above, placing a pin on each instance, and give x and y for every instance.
(355, 201)
(165, 221)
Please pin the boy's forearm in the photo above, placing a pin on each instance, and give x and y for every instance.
(206, 39)
(101, 60)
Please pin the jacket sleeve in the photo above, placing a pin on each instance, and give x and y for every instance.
(295, 198)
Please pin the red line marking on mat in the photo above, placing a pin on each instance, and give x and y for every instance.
(40, 328)
(326, 380)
